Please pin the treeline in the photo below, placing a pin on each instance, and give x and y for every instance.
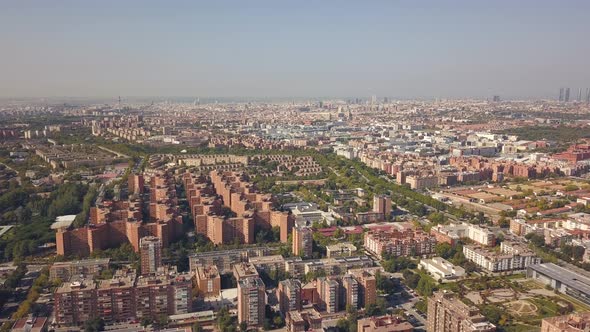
(33, 214)
(374, 183)
(67, 199)
(566, 252)
(563, 134)
(10, 283)
(87, 203)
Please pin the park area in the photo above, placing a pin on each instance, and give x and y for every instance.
(515, 303)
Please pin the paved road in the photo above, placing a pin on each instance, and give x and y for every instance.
(410, 311)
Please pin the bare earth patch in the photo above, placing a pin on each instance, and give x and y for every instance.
(521, 308)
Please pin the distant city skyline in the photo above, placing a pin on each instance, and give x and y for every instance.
(300, 50)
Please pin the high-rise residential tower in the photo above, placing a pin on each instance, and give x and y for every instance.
(446, 313)
(382, 204)
(302, 241)
(151, 254)
(251, 301)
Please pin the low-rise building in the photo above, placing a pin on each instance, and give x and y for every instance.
(297, 321)
(387, 323)
(340, 249)
(30, 324)
(440, 268)
(572, 283)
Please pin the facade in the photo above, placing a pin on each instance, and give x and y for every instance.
(340, 250)
(165, 293)
(481, 235)
(446, 313)
(349, 295)
(123, 298)
(150, 248)
(421, 182)
(367, 288)
(294, 322)
(369, 217)
(302, 242)
(251, 301)
(75, 302)
(399, 243)
(382, 204)
(512, 256)
(208, 280)
(268, 263)
(135, 184)
(230, 230)
(116, 297)
(329, 292)
(289, 295)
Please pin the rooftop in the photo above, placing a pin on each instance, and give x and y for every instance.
(63, 221)
(565, 276)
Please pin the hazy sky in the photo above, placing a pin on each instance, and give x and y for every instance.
(472, 48)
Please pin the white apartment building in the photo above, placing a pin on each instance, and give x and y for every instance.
(476, 233)
(512, 257)
(342, 249)
(480, 235)
(440, 268)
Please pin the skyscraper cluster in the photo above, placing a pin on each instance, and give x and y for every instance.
(564, 95)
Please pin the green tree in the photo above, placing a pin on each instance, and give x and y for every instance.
(493, 313)
(444, 250)
(162, 321)
(243, 326)
(536, 239)
(94, 325)
(278, 321)
(197, 327)
(145, 322)
(425, 286)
